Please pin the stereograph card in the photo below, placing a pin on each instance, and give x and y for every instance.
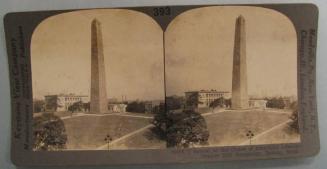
(171, 84)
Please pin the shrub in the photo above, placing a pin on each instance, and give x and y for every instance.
(49, 133)
(294, 117)
(160, 122)
(181, 128)
(220, 102)
(136, 107)
(187, 128)
(38, 106)
(276, 103)
(174, 102)
(77, 106)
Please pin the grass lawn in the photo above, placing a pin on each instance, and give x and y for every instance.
(230, 128)
(88, 132)
(282, 134)
(142, 140)
(139, 114)
(225, 128)
(59, 114)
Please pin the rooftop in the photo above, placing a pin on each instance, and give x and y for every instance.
(65, 95)
(207, 91)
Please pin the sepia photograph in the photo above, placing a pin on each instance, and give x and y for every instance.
(232, 73)
(98, 78)
(115, 79)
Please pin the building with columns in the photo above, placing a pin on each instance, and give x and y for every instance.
(206, 97)
(62, 102)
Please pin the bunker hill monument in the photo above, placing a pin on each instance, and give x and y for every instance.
(98, 102)
(240, 98)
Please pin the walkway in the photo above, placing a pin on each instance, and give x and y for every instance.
(105, 146)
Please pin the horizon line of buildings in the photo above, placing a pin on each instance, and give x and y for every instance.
(62, 102)
(206, 97)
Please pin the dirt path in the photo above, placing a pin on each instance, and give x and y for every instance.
(105, 146)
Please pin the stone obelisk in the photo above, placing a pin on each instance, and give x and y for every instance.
(240, 98)
(98, 78)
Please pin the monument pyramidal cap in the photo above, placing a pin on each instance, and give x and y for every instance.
(98, 94)
(240, 98)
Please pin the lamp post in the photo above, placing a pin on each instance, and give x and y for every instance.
(108, 139)
(250, 135)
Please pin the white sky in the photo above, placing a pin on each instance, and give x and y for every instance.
(61, 54)
(199, 52)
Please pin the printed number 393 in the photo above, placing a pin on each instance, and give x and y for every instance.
(162, 11)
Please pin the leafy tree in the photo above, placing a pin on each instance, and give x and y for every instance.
(136, 106)
(276, 103)
(160, 121)
(38, 106)
(174, 102)
(186, 129)
(193, 100)
(181, 128)
(49, 133)
(51, 104)
(220, 102)
(77, 106)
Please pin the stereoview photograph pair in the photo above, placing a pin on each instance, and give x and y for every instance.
(170, 84)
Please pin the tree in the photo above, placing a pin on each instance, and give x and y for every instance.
(217, 102)
(276, 103)
(193, 100)
(51, 104)
(136, 106)
(181, 128)
(186, 129)
(77, 106)
(174, 102)
(38, 106)
(49, 133)
(160, 122)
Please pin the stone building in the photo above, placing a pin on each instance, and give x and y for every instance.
(205, 97)
(117, 107)
(258, 103)
(62, 102)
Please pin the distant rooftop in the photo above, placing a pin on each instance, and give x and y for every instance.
(207, 91)
(66, 95)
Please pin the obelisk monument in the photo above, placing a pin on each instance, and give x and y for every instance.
(98, 77)
(240, 98)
